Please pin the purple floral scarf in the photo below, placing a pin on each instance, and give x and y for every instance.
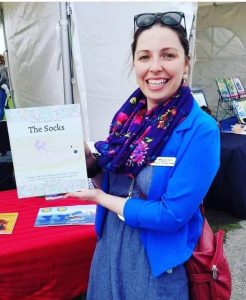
(136, 136)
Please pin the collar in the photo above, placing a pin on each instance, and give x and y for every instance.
(187, 123)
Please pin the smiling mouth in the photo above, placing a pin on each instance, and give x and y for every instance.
(156, 82)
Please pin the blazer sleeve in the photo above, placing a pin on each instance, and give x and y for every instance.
(186, 188)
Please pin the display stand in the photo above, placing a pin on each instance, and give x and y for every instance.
(230, 91)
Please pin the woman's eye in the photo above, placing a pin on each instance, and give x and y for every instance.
(143, 57)
(169, 56)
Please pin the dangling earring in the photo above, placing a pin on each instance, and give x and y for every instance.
(185, 76)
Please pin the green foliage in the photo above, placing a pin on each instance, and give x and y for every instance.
(221, 220)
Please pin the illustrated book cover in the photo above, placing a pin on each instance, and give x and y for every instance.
(66, 215)
(231, 87)
(222, 87)
(240, 110)
(239, 86)
(47, 149)
(7, 222)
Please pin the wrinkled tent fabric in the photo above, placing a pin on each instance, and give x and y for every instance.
(101, 38)
(105, 34)
(33, 51)
(220, 46)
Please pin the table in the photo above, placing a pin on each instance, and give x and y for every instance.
(228, 190)
(43, 263)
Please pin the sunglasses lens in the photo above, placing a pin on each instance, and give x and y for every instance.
(145, 20)
(171, 18)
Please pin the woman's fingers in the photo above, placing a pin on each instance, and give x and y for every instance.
(74, 194)
(85, 194)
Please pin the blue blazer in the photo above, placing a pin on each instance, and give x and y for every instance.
(170, 220)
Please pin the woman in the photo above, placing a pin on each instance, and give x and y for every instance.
(158, 163)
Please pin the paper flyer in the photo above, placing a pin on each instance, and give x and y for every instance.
(47, 149)
(7, 222)
(66, 215)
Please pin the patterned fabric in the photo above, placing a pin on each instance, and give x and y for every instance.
(136, 135)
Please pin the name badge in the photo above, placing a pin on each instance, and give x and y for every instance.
(164, 161)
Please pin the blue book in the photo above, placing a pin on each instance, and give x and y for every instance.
(66, 215)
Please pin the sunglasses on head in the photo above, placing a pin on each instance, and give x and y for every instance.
(171, 18)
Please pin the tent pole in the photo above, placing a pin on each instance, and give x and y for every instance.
(68, 94)
(192, 42)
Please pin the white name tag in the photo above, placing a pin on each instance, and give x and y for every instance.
(164, 161)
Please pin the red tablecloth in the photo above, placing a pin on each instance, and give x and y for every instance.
(43, 263)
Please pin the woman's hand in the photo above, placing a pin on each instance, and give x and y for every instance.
(93, 195)
(114, 203)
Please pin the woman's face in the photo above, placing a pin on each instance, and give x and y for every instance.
(159, 64)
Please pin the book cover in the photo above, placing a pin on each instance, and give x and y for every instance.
(47, 149)
(240, 89)
(231, 87)
(66, 215)
(7, 222)
(222, 88)
(240, 110)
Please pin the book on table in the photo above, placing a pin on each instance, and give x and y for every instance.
(7, 222)
(240, 110)
(66, 215)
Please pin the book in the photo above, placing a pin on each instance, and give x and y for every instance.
(47, 150)
(54, 197)
(66, 215)
(231, 87)
(240, 110)
(239, 86)
(222, 87)
(7, 222)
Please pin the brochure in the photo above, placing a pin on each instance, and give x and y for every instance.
(66, 215)
(47, 149)
(7, 222)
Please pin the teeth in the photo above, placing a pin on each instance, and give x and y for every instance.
(156, 82)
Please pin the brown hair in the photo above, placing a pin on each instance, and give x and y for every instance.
(2, 59)
(179, 29)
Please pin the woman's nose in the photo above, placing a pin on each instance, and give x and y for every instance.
(155, 65)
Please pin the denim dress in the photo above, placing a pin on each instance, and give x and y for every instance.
(120, 269)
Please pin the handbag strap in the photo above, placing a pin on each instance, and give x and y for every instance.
(203, 279)
(202, 210)
(218, 247)
(218, 251)
(200, 278)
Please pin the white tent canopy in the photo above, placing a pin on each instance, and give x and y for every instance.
(101, 37)
(220, 46)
